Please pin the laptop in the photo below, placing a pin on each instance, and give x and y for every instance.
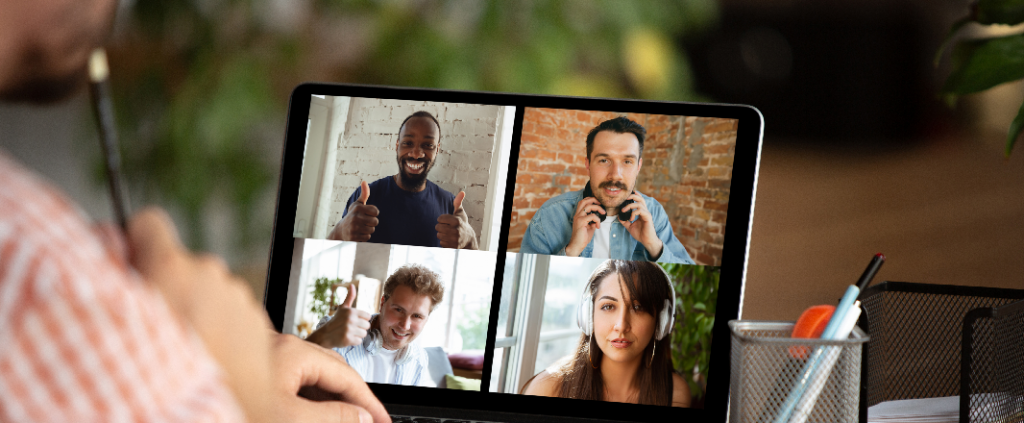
(522, 207)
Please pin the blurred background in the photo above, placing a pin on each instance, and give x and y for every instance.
(860, 154)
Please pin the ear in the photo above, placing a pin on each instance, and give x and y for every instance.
(383, 299)
(639, 163)
(587, 164)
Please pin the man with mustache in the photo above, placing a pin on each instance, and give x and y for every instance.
(379, 347)
(406, 208)
(586, 223)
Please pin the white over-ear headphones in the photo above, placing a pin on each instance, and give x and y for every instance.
(585, 311)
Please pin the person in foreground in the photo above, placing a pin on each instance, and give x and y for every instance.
(407, 208)
(97, 325)
(586, 223)
(624, 352)
(379, 347)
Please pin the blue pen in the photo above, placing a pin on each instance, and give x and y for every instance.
(830, 333)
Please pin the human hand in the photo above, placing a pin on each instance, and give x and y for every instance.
(583, 225)
(454, 230)
(319, 374)
(215, 303)
(641, 225)
(347, 327)
(360, 221)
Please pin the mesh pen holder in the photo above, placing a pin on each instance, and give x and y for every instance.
(767, 364)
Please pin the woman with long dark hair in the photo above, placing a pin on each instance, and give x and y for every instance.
(623, 355)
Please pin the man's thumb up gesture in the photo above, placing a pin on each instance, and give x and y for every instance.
(359, 222)
(458, 200)
(453, 230)
(348, 326)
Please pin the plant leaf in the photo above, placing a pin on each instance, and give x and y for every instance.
(949, 38)
(1016, 128)
(1006, 12)
(983, 64)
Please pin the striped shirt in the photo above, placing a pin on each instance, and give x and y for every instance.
(82, 337)
(410, 363)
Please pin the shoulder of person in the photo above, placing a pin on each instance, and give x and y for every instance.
(376, 187)
(381, 183)
(439, 191)
(323, 321)
(564, 201)
(544, 384)
(345, 352)
(680, 391)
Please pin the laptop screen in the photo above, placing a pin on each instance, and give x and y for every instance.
(541, 255)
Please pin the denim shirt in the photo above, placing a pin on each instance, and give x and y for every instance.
(551, 228)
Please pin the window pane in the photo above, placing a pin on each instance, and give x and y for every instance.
(471, 297)
(566, 278)
(499, 354)
(346, 263)
(506, 294)
(329, 264)
(549, 352)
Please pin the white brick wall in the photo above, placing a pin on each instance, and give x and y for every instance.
(366, 151)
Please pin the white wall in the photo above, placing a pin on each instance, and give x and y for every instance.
(366, 150)
(312, 167)
(338, 117)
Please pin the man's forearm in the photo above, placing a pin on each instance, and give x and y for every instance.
(335, 234)
(317, 337)
(672, 252)
(655, 250)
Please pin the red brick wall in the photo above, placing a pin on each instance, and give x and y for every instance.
(687, 167)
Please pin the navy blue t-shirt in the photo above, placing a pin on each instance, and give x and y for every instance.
(406, 218)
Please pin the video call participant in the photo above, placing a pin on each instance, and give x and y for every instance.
(379, 347)
(571, 224)
(406, 208)
(624, 355)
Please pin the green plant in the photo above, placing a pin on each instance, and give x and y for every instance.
(201, 87)
(473, 328)
(696, 296)
(980, 64)
(321, 291)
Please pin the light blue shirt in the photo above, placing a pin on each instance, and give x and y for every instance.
(411, 364)
(551, 228)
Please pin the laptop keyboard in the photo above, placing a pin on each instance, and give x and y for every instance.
(413, 419)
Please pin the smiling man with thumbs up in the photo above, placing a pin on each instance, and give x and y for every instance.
(407, 208)
(379, 347)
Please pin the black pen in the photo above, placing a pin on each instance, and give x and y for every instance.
(795, 402)
(869, 273)
(99, 91)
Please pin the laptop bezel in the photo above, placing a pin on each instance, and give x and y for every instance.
(734, 255)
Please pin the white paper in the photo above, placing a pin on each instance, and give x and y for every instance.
(929, 410)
